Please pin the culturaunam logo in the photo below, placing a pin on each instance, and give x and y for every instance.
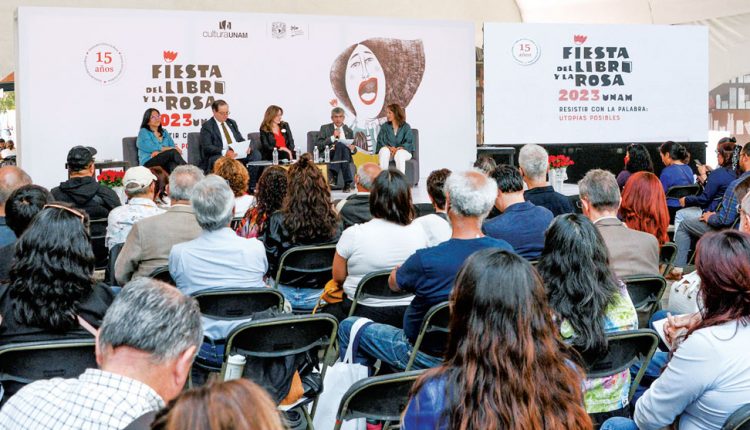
(224, 31)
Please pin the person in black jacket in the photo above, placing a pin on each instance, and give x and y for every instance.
(217, 134)
(275, 133)
(81, 189)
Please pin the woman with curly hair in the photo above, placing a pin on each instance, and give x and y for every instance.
(588, 302)
(51, 280)
(237, 177)
(269, 194)
(644, 206)
(505, 367)
(637, 159)
(306, 218)
(239, 404)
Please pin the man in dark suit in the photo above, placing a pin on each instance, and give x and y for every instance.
(332, 134)
(217, 136)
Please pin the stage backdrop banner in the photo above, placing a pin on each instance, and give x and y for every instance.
(86, 76)
(562, 83)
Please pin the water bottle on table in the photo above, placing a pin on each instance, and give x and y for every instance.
(316, 155)
(275, 156)
(327, 154)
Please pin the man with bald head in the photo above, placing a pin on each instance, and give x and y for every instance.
(429, 275)
(11, 177)
(355, 209)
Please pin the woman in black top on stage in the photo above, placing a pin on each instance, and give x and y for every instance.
(275, 133)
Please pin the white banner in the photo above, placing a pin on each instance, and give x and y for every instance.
(86, 76)
(563, 83)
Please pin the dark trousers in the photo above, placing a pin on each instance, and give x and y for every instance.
(341, 152)
(391, 315)
(168, 160)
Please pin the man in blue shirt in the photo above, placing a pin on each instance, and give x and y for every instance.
(11, 177)
(429, 275)
(691, 229)
(521, 223)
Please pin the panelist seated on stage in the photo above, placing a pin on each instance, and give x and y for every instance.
(155, 145)
(395, 139)
(338, 136)
(275, 133)
(217, 136)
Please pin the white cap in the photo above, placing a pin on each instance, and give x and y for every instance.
(138, 175)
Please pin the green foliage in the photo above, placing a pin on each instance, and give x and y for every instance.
(8, 101)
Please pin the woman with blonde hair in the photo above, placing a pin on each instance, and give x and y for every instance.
(276, 133)
(237, 177)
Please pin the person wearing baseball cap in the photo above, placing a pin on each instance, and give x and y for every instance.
(139, 185)
(81, 189)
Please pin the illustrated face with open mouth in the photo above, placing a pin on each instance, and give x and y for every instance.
(365, 83)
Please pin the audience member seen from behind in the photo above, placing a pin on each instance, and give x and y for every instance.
(644, 206)
(534, 165)
(306, 218)
(520, 223)
(714, 185)
(355, 208)
(708, 376)
(589, 302)
(362, 248)
(9, 150)
(155, 145)
(151, 239)
(81, 189)
(145, 348)
(429, 274)
(22, 206)
(51, 280)
(269, 193)
(676, 171)
(437, 225)
(637, 159)
(237, 177)
(140, 185)
(161, 190)
(395, 139)
(11, 177)
(631, 252)
(239, 404)
(486, 164)
(218, 258)
(276, 133)
(502, 351)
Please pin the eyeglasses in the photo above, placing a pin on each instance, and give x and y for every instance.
(67, 209)
(223, 113)
(155, 116)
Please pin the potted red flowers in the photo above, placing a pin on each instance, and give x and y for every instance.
(558, 166)
(113, 179)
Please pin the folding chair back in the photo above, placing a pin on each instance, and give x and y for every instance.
(623, 349)
(434, 331)
(98, 228)
(667, 253)
(239, 303)
(23, 363)
(162, 274)
(680, 191)
(306, 266)
(236, 221)
(375, 286)
(739, 420)
(645, 291)
(381, 398)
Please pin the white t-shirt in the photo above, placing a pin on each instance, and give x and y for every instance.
(377, 245)
(436, 228)
(242, 204)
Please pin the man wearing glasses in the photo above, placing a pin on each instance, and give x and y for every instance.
(217, 136)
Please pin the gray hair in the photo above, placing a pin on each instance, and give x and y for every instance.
(153, 317)
(213, 202)
(365, 179)
(534, 161)
(337, 111)
(11, 177)
(599, 187)
(133, 189)
(182, 180)
(471, 193)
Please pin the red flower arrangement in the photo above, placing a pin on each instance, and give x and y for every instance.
(111, 178)
(560, 161)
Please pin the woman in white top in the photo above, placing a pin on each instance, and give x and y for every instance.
(382, 243)
(708, 377)
(238, 178)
